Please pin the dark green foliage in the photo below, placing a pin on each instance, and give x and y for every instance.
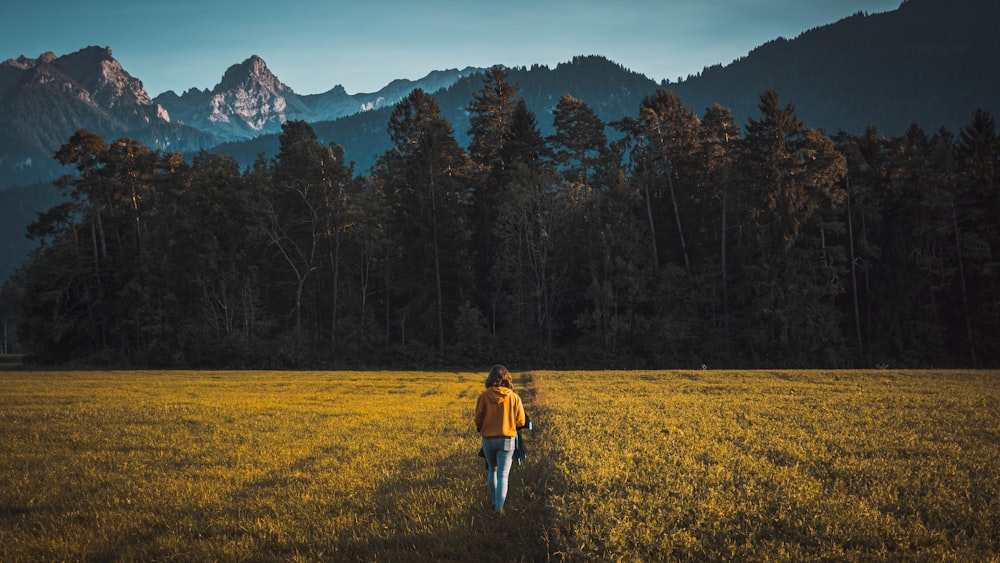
(679, 243)
(426, 175)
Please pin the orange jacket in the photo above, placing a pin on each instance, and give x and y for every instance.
(499, 413)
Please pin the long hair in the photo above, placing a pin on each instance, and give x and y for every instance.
(499, 377)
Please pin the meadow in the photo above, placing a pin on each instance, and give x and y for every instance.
(381, 466)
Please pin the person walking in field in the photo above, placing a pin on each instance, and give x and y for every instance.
(499, 413)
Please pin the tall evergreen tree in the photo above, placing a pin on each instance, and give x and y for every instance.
(579, 142)
(294, 220)
(491, 119)
(427, 173)
(789, 268)
(977, 205)
(209, 253)
(721, 144)
(865, 189)
(371, 218)
(665, 144)
(528, 225)
(93, 295)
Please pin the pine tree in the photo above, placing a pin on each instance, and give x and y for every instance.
(579, 142)
(977, 205)
(491, 114)
(491, 123)
(719, 154)
(531, 213)
(789, 268)
(426, 173)
(664, 144)
(210, 252)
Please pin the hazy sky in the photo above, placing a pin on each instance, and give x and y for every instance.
(314, 45)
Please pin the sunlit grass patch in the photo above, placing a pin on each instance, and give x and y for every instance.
(633, 466)
(775, 465)
(256, 465)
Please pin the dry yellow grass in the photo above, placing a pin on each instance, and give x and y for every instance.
(242, 466)
(786, 466)
(631, 466)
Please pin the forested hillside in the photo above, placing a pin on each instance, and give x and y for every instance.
(681, 240)
(930, 62)
(611, 90)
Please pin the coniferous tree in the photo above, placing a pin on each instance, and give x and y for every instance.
(977, 207)
(209, 250)
(719, 153)
(618, 276)
(787, 290)
(490, 129)
(864, 186)
(528, 225)
(673, 245)
(579, 142)
(665, 142)
(294, 219)
(491, 118)
(371, 217)
(87, 152)
(96, 296)
(337, 220)
(427, 172)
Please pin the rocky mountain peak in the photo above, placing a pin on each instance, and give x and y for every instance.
(249, 100)
(98, 72)
(251, 73)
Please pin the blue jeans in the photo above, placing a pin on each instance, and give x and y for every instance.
(499, 453)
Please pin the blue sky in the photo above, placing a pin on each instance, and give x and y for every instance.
(314, 45)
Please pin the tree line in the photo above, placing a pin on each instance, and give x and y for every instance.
(664, 239)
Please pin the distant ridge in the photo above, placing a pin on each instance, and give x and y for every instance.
(250, 101)
(45, 99)
(929, 62)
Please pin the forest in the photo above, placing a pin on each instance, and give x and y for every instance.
(665, 239)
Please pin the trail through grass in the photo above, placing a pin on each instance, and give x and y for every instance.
(381, 466)
(252, 466)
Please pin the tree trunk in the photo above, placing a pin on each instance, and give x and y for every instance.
(437, 264)
(649, 216)
(677, 216)
(854, 267)
(965, 293)
(868, 287)
(335, 260)
(725, 274)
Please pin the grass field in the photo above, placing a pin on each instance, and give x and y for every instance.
(381, 466)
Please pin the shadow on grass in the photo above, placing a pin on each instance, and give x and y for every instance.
(425, 508)
(467, 529)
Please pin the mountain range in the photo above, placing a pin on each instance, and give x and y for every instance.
(929, 62)
(46, 99)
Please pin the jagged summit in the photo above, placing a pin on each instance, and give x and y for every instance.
(96, 69)
(248, 101)
(923, 62)
(251, 101)
(45, 99)
(251, 71)
(91, 76)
